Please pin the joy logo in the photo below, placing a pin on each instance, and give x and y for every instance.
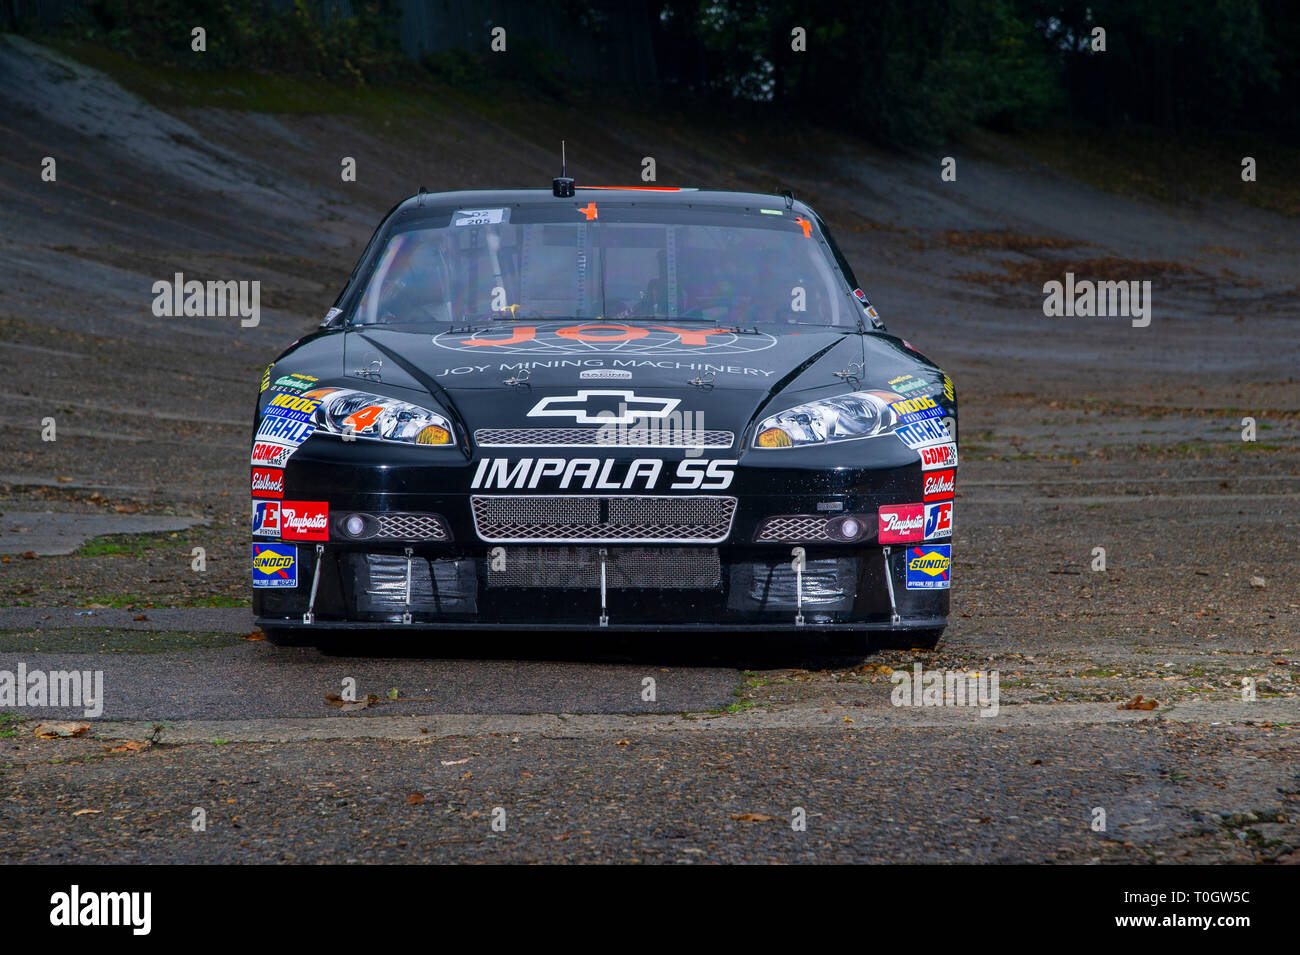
(586, 407)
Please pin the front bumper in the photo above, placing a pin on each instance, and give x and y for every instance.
(462, 580)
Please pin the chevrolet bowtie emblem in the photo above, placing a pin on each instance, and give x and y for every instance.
(630, 407)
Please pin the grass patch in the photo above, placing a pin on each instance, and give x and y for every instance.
(125, 545)
(9, 723)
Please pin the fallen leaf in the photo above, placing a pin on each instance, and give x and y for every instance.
(125, 508)
(255, 635)
(622, 742)
(59, 729)
(392, 694)
(87, 812)
(1137, 703)
(454, 762)
(756, 817)
(139, 617)
(415, 799)
(129, 746)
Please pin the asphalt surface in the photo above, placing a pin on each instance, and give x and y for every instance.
(1075, 435)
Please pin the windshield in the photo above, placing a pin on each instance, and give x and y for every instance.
(604, 262)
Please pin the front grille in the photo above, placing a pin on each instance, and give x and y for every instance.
(609, 436)
(410, 527)
(577, 519)
(578, 568)
(796, 529)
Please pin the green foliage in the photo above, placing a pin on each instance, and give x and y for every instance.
(307, 37)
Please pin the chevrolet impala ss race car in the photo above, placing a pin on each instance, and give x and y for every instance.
(641, 409)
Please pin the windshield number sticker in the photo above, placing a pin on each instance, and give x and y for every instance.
(479, 217)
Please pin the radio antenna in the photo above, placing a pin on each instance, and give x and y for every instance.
(562, 187)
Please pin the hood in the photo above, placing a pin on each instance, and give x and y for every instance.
(564, 375)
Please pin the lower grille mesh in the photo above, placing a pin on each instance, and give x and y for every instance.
(796, 528)
(577, 519)
(569, 568)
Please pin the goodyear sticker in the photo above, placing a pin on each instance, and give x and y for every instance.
(266, 377)
(275, 565)
(929, 567)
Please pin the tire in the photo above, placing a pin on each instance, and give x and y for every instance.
(908, 639)
(855, 644)
(290, 637)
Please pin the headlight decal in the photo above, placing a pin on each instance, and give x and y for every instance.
(346, 412)
(860, 414)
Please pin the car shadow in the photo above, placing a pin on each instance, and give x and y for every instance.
(759, 650)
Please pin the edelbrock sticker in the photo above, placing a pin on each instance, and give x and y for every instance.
(939, 486)
(268, 482)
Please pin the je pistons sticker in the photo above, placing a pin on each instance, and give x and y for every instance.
(929, 566)
(275, 565)
(266, 518)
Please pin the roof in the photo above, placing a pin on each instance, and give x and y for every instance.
(659, 195)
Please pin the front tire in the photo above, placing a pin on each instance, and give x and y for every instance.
(290, 637)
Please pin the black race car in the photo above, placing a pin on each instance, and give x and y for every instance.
(626, 408)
